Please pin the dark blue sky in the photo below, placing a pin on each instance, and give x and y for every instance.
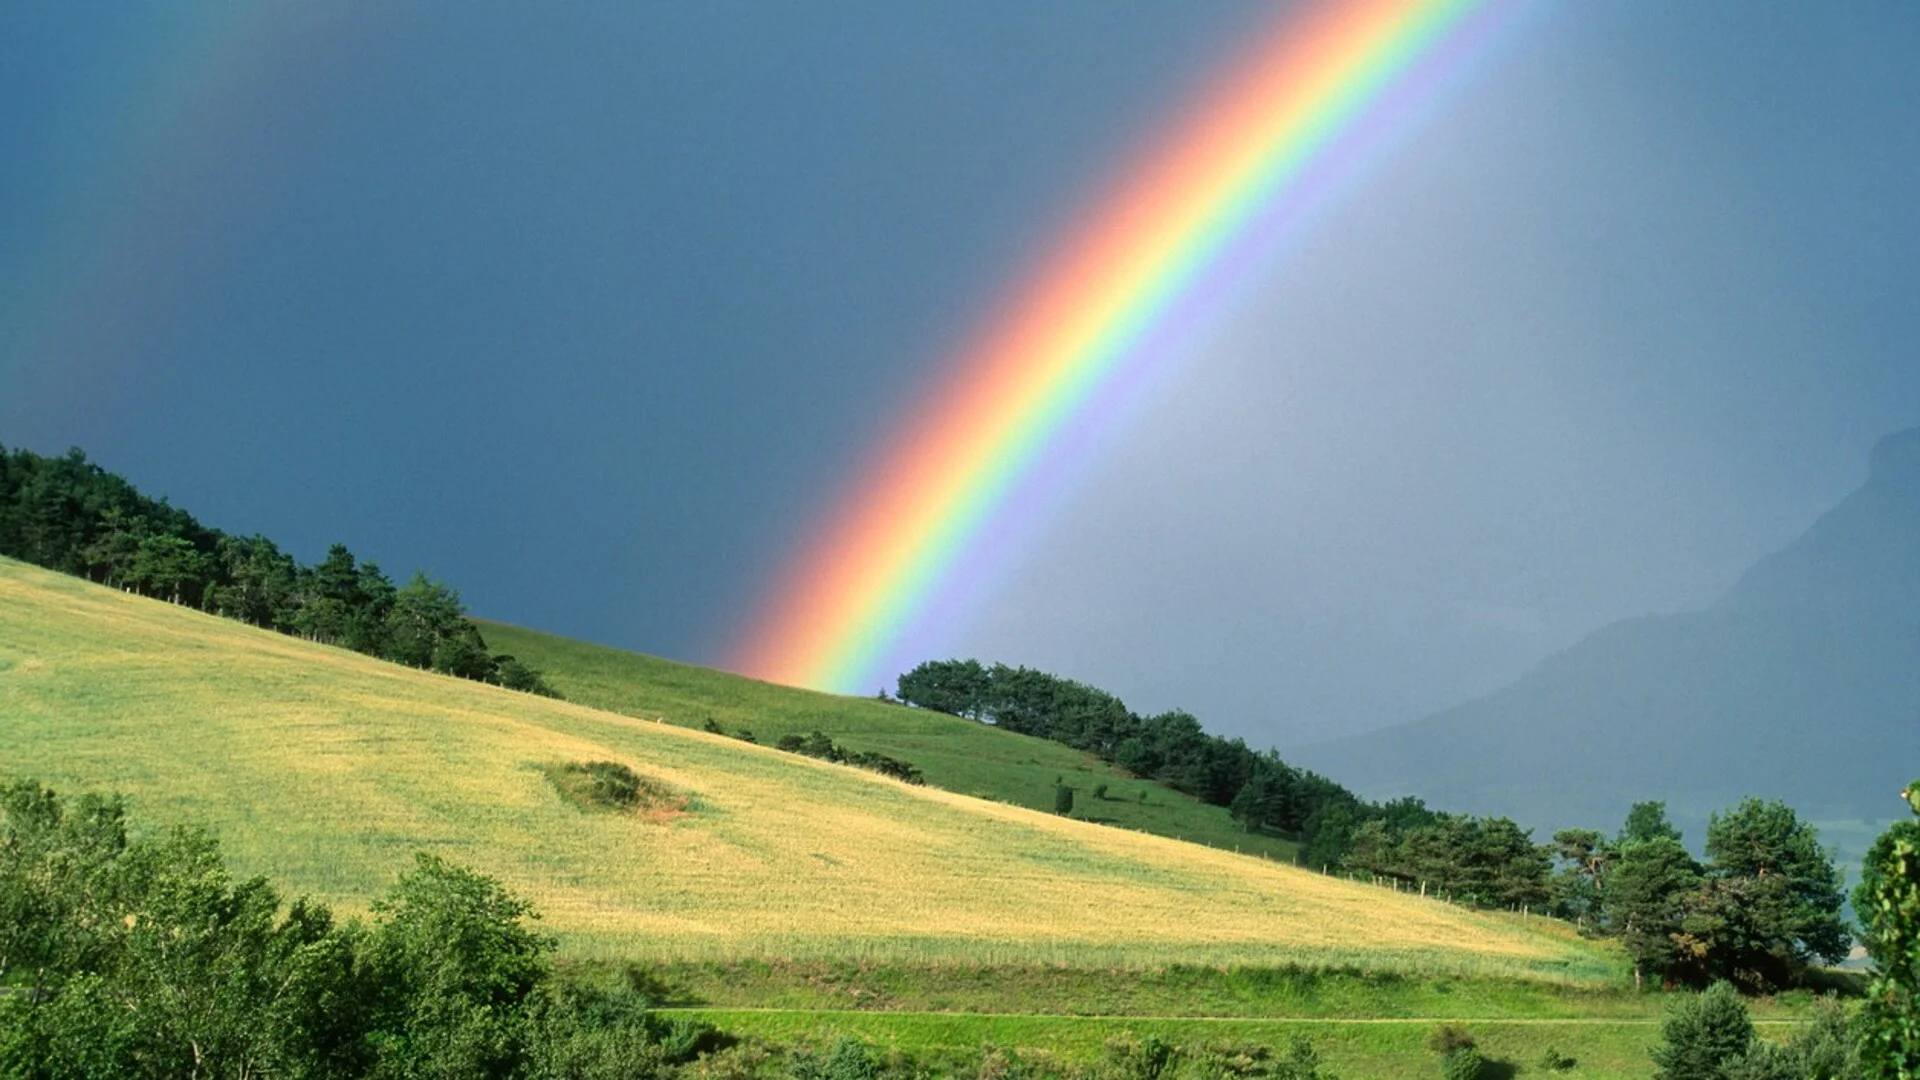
(587, 307)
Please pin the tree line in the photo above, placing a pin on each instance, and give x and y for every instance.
(70, 515)
(1765, 905)
(1262, 792)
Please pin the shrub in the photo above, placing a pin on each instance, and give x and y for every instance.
(848, 1060)
(1464, 1063)
(514, 675)
(1703, 1035)
(1552, 1060)
(1062, 799)
(611, 786)
(1139, 1059)
(1099, 791)
(1447, 1038)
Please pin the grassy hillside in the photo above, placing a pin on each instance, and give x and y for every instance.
(323, 769)
(956, 754)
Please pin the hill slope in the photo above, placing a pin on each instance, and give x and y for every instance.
(959, 755)
(323, 769)
(1801, 683)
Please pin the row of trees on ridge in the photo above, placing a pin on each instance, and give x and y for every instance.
(1765, 904)
(68, 514)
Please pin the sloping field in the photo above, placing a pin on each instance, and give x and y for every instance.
(324, 770)
(956, 754)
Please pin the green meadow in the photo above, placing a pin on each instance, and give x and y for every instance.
(954, 753)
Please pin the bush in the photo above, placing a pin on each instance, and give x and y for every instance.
(1463, 1064)
(1552, 1060)
(514, 675)
(1099, 791)
(611, 786)
(1447, 1038)
(1236, 1060)
(1139, 1059)
(1703, 1035)
(848, 1060)
(1063, 799)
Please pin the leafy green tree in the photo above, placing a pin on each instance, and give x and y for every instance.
(958, 687)
(1329, 835)
(1644, 902)
(148, 960)
(1584, 855)
(57, 867)
(169, 567)
(457, 969)
(514, 675)
(423, 612)
(1703, 1035)
(1888, 904)
(1773, 900)
(1062, 799)
(1647, 821)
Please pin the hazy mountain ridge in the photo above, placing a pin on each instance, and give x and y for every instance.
(1801, 682)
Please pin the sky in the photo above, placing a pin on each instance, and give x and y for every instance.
(592, 309)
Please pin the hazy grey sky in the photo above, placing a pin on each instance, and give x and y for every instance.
(587, 307)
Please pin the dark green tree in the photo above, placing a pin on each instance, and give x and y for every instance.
(958, 687)
(1647, 821)
(457, 969)
(1773, 900)
(1583, 855)
(1645, 901)
(1703, 1035)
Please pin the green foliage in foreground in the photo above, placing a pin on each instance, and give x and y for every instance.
(1710, 1037)
(135, 957)
(1888, 903)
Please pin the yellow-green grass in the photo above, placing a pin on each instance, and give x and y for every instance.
(323, 770)
(1373, 1049)
(954, 753)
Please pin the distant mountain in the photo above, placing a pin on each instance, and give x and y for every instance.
(1802, 683)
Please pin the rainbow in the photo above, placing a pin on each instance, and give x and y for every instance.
(1089, 327)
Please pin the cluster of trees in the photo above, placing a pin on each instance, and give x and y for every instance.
(1485, 862)
(1710, 1036)
(70, 515)
(1264, 793)
(1765, 904)
(817, 744)
(125, 957)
